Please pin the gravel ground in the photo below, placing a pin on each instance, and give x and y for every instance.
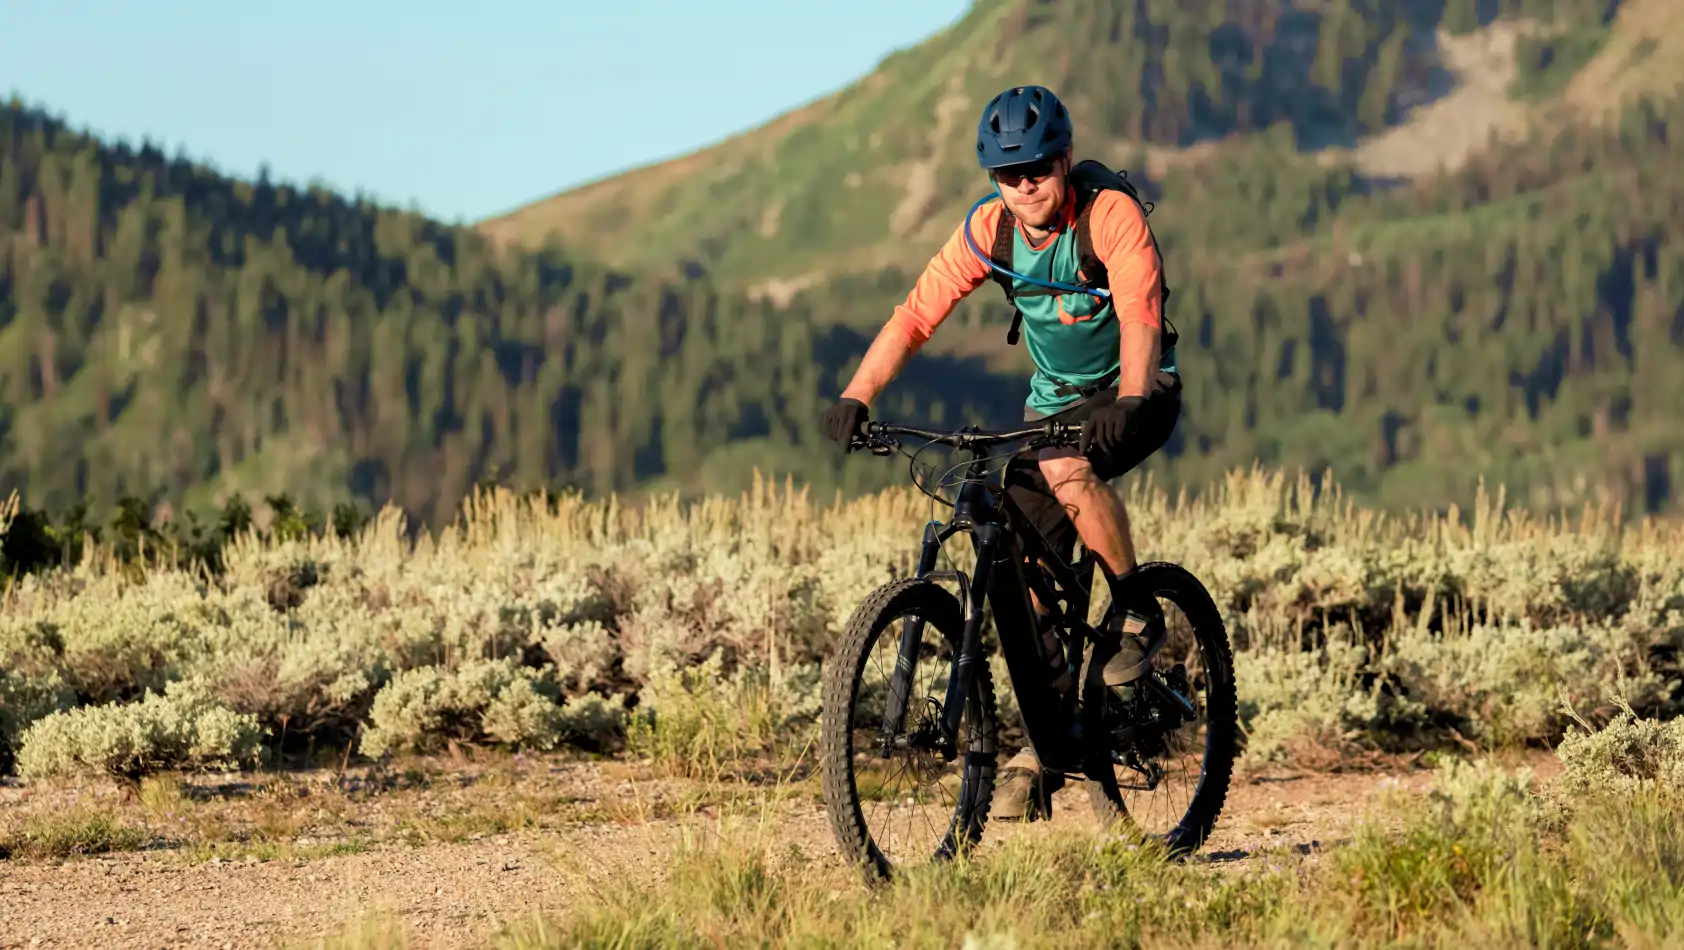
(450, 893)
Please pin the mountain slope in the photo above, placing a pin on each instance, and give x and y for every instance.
(1638, 55)
(879, 173)
(857, 179)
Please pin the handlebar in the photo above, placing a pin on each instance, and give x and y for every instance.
(878, 435)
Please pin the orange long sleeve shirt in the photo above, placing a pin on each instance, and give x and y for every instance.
(1121, 240)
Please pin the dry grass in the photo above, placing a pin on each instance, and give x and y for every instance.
(306, 815)
(1468, 864)
(1486, 856)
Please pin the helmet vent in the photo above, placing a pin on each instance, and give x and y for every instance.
(1033, 115)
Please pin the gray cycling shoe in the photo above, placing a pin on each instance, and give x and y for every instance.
(1129, 662)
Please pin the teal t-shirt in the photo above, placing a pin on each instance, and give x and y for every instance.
(1072, 337)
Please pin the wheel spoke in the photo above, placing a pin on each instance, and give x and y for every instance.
(1182, 804)
(918, 782)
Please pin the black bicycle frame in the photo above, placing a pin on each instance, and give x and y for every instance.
(1004, 541)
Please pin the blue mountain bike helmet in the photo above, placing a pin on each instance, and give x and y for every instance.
(1020, 125)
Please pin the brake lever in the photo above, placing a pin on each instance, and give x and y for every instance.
(877, 445)
(1057, 437)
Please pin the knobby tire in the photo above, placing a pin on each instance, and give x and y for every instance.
(871, 619)
(1177, 585)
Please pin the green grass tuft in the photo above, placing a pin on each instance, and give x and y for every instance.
(78, 832)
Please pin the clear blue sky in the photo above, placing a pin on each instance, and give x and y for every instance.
(465, 108)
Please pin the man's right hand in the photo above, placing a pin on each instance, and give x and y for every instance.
(842, 421)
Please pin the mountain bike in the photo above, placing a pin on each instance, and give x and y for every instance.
(916, 708)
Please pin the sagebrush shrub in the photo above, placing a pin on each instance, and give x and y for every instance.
(23, 700)
(1630, 754)
(495, 700)
(1350, 629)
(181, 728)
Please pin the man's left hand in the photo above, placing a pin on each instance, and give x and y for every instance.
(1108, 424)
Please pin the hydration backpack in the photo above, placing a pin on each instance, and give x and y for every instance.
(1088, 178)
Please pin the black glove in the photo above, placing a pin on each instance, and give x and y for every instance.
(1107, 426)
(842, 422)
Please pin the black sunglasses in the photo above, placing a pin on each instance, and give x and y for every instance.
(1013, 175)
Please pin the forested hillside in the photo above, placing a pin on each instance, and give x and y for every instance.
(877, 173)
(167, 332)
(171, 333)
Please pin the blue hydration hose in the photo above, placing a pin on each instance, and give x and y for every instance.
(1100, 292)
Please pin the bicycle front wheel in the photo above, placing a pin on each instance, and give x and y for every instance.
(893, 800)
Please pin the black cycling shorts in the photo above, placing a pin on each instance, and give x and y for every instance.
(1149, 428)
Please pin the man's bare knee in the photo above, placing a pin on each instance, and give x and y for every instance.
(1094, 508)
(1070, 476)
(1060, 465)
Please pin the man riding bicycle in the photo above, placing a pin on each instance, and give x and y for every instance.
(1100, 361)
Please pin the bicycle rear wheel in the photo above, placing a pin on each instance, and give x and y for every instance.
(1168, 782)
(911, 804)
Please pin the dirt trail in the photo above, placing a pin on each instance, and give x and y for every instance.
(446, 894)
(458, 894)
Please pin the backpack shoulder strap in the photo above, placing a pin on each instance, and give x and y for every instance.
(1005, 234)
(1092, 177)
(1093, 269)
(1001, 252)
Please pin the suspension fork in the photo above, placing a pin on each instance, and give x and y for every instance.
(987, 538)
(911, 635)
